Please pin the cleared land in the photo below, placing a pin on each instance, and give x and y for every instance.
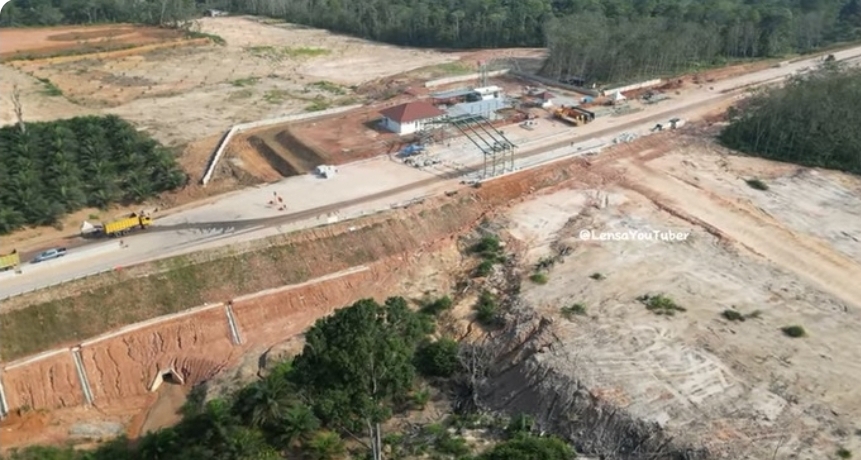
(182, 94)
(32, 43)
(786, 256)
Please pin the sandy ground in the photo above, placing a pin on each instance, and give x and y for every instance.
(186, 93)
(32, 42)
(742, 388)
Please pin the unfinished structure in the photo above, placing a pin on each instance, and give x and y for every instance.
(497, 149)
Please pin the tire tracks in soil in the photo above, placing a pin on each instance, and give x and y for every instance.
(803, 255)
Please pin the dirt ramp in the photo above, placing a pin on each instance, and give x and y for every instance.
(275, 159)
(304, 156)
(196, 345)
(45, 383)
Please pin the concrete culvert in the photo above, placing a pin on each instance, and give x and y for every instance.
(166, 376)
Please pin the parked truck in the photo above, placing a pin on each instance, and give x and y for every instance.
(118, 227)
(575, 116)
(9, 261)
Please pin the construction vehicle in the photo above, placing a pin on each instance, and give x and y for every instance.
(119, 227)
(10, 261)
(574, 115)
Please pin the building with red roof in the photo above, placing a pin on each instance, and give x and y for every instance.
(410, 117)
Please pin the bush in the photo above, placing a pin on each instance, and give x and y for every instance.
(844, 453)
(530, 447)
(521, 424)
(576, 309)
(487, 309)
(794, 331)
(597, 276)
(487, 245)
(538, 278)
(437, 306)
(661, 305)
(733, 315)
(757, 184)
(438, 359)
(483, 269)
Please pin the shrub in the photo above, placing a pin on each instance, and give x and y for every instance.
(757, 184)
(844, 453)
(794, 331)
(597, 276)
(661, 305)
(733, 315)
(483, 269)
(487, 309)
(437, 359)
(576, 309)
(437, 306)
(539, 278)
(521, 423)
(451, 445)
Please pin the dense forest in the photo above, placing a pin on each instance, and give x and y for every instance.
(812, 121)
(49, 169)
(601, 41)
(358, 368)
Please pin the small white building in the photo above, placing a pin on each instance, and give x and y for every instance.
(488, 92)
(410, 117)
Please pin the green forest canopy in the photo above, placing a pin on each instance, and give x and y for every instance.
(358, 367)
(813, 120)
(58, 167)
(602, 41)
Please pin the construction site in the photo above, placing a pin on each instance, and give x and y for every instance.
(493, 115)
(386, 196)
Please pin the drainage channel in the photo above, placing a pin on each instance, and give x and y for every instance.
(4, 406)
(231, 323)
(82, 375)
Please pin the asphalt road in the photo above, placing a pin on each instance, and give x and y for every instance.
(167, 239)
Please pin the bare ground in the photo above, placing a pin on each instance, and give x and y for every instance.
(740, 389)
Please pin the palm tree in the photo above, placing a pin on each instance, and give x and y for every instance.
(325, 445)
(297, 424)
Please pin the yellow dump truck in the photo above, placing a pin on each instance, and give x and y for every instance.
(9, 261)
(118, 227)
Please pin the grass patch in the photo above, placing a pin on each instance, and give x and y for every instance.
(844, 453)
(735, 315)
(661, 305)
(248, 81)
(329, 87)
(794, 331)
(49, 88)
(212, 37)
(244, 93)
(277, 54)
(578, 309)
(538, 278)
(756, 184)
(318, 106)
(276, 96)
(454, 68)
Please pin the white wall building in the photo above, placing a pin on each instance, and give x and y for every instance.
(410, 117)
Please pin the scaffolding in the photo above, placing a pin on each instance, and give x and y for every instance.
(497, 149)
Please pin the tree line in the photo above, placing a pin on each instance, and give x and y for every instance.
(18, 13)
(812, 121)
(358, 368)
(599, 41)
(50, 169)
